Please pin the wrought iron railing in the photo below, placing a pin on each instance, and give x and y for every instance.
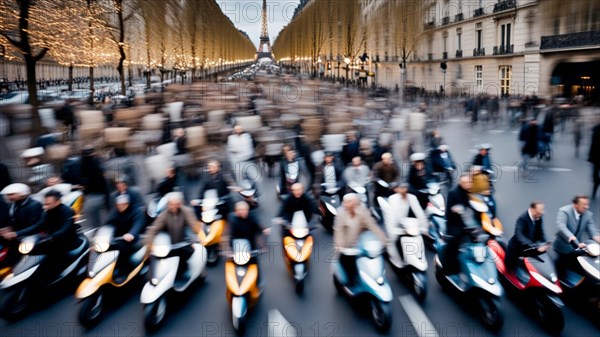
(504, 5)
(571, 40)
(459, 17)
(459, 53)
(479, 52)
(504, 50)
(478, 12)
(446, 20)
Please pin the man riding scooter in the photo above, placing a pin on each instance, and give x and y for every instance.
(457, 219)
(128, 222)
(298, 201)
(175, 220)
(418, 177)
(353, 219)
(529, 232)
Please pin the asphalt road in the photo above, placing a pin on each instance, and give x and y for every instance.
(320, 311)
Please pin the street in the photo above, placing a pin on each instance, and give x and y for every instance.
(204, 311)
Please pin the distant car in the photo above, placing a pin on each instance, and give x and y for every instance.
(77, 95)
(15, 97)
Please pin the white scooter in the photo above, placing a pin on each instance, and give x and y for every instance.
(436, 213)
(406, 252)
(164, 265)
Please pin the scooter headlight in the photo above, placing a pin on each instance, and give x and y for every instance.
(380, 280)
(102, 244)
(154, 281)
(161, 250)
(26, 246)
(92, 274)
(299, 233)
(412, 231)
(241, 272)
(593, 249)
(208, 218)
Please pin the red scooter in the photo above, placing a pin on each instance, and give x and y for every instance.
(535, 280)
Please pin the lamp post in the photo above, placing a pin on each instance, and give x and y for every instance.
(347, 62)
(444, 67)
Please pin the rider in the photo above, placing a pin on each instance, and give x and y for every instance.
(240, 146)
(418, 177)
(483, 158)
(216, 180)
(442, 162)
(406, 205)
(128, 223)
(572, 222)
(457, 221)
(169, 182)
(298, 201)
(529, 230)
(330, 173)
(353, 219)
(357, 173)
(291, 165)
(174, 221)
(58, 225)
(387, 171)
(481, 185)
(122, 185)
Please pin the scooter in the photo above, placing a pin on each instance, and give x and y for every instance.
(582, 283)
(477, 279)
(72, 196)
(297, 246)
(361, 190)
(406, 254)
(163, 276)
(329, 201)
(241, 276)
(92, 291)
(214, 224)
(371, 283)
(436, 212)
(154, 208)
(248, 191)
(535, 280)
(490, 224)
(34, 273)
(386, 190)
(292, 176)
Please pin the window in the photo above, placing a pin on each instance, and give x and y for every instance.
(479, 78)
(445, 36)
(505, 79)
(459, 39)
(505, 35)
(479, 36)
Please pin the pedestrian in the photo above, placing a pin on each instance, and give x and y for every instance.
(577, 134)
(594, 158)
(529, 137)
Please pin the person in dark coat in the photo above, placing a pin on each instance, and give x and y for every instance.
(5, 178)
(594, 158)
(351, 149)
(457, 221)
(483, 158)
(298, 201)
(529, 230)
(418, 177)
(529, 137)
(135, 197)
(330, 172)
(168, 184)
(23, 210)
(216, 180)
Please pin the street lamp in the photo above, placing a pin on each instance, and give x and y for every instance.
(444, 67)
(347, 61)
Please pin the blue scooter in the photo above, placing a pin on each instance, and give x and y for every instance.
(477, 279)
(371, 283)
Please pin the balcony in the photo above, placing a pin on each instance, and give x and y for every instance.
(459, 17)
(505, 5)
(573, 40)
(429, 25)
(478, 12)
(458, 54)
(531, 44)
(430, 56)
(504, 50)
(479, 52)
(445, 55)
(446, 20)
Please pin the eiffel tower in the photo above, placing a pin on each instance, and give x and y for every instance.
(264, 37)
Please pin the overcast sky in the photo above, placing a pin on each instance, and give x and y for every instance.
(246, 15)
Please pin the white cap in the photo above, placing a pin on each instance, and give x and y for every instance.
(33, 152)
(18, 188)
(417, 156)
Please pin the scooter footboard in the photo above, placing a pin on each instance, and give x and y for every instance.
(413, 251)
(162, 277)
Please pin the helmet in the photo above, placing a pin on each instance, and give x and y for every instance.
(417, 157)
(33, 152)
(18, 188)
(484, 146)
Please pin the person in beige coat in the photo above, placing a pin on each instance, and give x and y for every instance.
(174, 221)
(352, 220)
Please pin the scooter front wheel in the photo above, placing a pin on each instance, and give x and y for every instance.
(299, 286)
(91, 309)
(381, 313)
(491, 313)
(550, 315)
(155, 313)
(15, 302)
(419, 283)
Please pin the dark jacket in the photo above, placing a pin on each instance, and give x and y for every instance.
(5, 179)
(339, 174)
(93, 176)
(57, 223)
(439, 164)
(527, 233)
(167, 185)
(529, 135)
(388, 173)
(418, 179)
(25, 214)
(131, 221)
(291, 205)
(215, 181)
(248, 228)
(594, 156)
(455, 223)
(484, 161)
(304, 173)
(350, 150)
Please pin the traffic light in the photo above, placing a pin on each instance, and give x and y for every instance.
(444, 66)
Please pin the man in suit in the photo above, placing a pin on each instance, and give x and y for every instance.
(529, 230)
(572, 222)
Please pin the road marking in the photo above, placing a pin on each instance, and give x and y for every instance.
(559, 169)
(279, 326)
(496, 131)
(418, 318)
(454, 120)
(509, 168)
